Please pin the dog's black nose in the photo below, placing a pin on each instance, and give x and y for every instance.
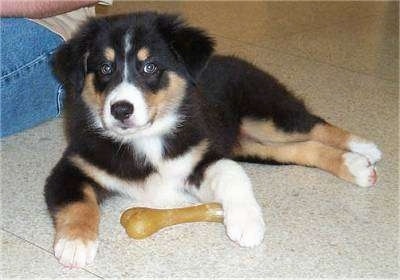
(121, 110)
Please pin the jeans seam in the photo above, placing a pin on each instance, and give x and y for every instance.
(37, 60)
(59, 93)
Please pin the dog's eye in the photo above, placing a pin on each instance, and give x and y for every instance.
(150, 68)
(106, 69)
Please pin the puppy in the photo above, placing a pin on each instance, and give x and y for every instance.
(152, 114)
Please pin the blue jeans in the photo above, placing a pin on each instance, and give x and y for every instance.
(30, 94)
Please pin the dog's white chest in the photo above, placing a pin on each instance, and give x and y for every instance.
(166, 187)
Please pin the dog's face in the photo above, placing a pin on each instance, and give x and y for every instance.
(132, 72)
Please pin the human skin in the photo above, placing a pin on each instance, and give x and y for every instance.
(40, 9)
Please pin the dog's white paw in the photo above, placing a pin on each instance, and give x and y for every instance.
(244, 224)
(363, 172)
(366, 148)
(75, 253)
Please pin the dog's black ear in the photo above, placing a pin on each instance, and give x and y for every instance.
(68, 64)
(69, 61)
(193, 45)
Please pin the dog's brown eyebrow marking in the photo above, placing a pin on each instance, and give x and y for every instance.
(143, 53)
(109, 53)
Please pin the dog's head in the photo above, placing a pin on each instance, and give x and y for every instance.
(132, 71)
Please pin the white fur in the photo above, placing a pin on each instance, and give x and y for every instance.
(160, 126)
(151, 147)
(164, 188)
(359, 166)
(365, 148)
(75, 253)
(128, 47)
(226, 182)
(126, 92)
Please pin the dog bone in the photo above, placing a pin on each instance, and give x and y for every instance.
(141, 222)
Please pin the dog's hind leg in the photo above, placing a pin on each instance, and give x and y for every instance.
(349, 166)
(267, 131)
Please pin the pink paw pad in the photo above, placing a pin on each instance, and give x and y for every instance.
(373, 177)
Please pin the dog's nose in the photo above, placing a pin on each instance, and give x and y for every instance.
(121, 110)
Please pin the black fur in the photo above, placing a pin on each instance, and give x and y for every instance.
(243, 90)
(218, 95)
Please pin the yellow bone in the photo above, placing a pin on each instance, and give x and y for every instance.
(141, 222)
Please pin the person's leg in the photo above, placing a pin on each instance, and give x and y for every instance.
(30, 94)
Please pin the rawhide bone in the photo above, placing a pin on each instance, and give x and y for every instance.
(141, 222)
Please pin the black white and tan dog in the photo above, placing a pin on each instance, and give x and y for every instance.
(152, 113)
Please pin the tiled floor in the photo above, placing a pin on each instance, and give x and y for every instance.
(342, 58)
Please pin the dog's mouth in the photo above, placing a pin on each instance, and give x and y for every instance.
(128, 127)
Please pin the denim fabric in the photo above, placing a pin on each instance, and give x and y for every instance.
(30, 94)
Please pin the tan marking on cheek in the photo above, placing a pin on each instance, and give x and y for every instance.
(109, 54)
(168, 99)
(94, 99)
(143, 54)
(79, 220)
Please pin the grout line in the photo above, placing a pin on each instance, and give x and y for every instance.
(41, 248)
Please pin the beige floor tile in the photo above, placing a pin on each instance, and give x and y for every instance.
(20, 259)
(369, 45)
(255, 21)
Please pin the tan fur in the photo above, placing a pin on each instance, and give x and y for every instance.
(112, 182)
(109, 54)
(266, 131)
(167, 99)
(309, 153)
(95, 100)
(330, 135)
(143, 54)
(95, 172)
(79, 219)
(199, 150)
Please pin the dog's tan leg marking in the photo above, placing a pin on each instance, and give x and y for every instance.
(76, 227)
(266, 131)
(340, 138)
(348, 166)
(79, 219)
(330, 135)
(327, 134)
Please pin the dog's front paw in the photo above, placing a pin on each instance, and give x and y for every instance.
(75, 253)
(244, 224)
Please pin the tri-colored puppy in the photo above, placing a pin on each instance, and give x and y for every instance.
(152, 114)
